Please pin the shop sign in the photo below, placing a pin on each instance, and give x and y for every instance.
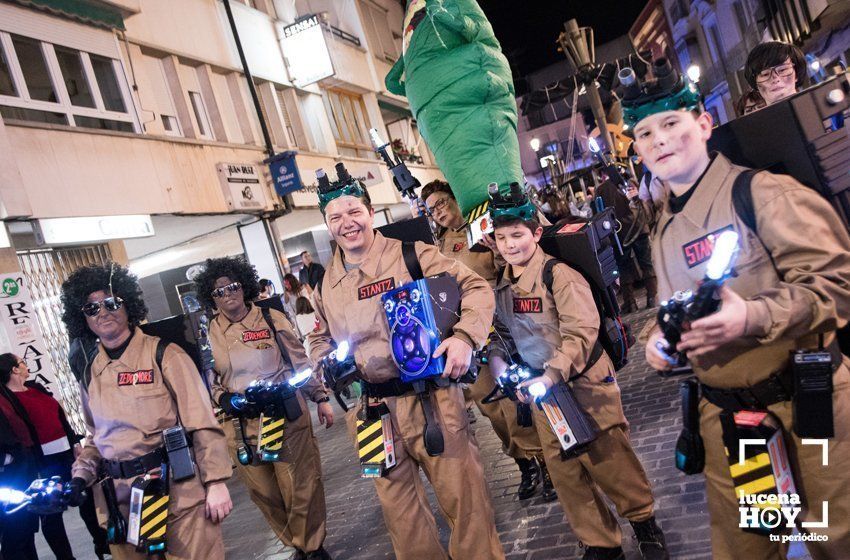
(285, 175)
(241, 185)
(20, 331)
(306, 51)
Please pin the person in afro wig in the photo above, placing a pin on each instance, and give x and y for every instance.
(237, 269)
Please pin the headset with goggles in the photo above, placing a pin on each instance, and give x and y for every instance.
(515, 204)
(669, 91)
(345, 185)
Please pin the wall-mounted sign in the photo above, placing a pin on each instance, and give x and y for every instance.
(72, 231)
(305, 51)
(20, 330)
(285, 175)
(241, 185)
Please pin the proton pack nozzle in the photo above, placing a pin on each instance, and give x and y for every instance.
(669, 91)
(515, 204)
(344, 185)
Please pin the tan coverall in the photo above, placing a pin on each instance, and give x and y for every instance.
(349, 308)
(127, 404)
(808, 292)
(519, 442)
(289, 493)
(555, 332)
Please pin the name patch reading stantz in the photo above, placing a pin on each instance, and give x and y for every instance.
(375, 288)
(141, 377)
(528, 305)
(251, 336)
(699, 250)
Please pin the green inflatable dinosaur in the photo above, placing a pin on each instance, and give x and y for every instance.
(460, 90)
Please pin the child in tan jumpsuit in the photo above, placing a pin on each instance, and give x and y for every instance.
(128, 400)
(556, 332)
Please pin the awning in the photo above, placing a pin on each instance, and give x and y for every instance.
(85, 11)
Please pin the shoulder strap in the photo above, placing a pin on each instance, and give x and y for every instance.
(267, 315)
(742, 199)
(411, 261)
(161, 345)
(548, 276)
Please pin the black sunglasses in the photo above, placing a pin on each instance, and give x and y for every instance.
(229, 289)
(112, 304)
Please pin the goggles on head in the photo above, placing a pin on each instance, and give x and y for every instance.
(669, 91)
(514, 205)
(345, 185)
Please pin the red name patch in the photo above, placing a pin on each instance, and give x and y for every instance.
(528, 305)
(375, 288)
(251, 336)
(458, 247)
(141, 377)
(699, 250)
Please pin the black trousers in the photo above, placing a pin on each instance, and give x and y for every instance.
(643, 253)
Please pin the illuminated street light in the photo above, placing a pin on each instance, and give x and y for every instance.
(535, 144)
(694, 73)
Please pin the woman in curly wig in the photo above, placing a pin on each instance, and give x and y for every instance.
(134, 388)
(246, 344)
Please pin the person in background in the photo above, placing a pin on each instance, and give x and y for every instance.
(19, 452)
(776, 70)
(266, 289)
(311, 273)
(749, 102)
(305, 318)
(292, 290)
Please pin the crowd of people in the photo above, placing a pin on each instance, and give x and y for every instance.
(518, 306)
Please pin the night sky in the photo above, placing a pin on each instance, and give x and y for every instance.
(528, 29)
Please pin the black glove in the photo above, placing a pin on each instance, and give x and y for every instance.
(75, 491)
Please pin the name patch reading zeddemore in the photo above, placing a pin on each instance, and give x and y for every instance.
(141, 377)
(528, 305)
(375, 288)
(699, 250)
(251, 336)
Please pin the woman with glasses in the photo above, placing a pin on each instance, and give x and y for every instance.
(133, 390)
(250, 344)
(776, 70)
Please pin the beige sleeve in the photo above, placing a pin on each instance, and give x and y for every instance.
(477, 302)
(87, 464)
(192, 401)
(810, 248)
(578, 323)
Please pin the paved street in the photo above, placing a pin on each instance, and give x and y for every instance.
(529, 530)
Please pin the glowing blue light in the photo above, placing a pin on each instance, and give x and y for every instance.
(537, 390)
(725, 247)
(593, 145)
(300, 378)
(342, 351)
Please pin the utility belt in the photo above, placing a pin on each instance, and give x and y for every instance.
(777, 388)
(149, 494)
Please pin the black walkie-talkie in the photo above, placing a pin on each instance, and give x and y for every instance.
(179, 457)
(812, 404)
(690, 452)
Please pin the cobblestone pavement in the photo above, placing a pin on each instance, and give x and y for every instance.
(529, 530)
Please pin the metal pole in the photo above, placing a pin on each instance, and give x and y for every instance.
(266, 136)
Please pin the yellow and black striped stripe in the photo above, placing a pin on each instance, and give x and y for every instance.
(370, 441)
(477, 212)
(271, 434)
(154, 517)
(755, 475)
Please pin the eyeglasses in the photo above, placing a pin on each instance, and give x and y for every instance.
(783, 71)
(112, 304)
(440, 204)
(229, 289)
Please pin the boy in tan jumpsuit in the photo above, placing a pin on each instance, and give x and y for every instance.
(128, 400)
(288, 492)
(519, 442)
(349, 308)
(556, 333)
(792, 283)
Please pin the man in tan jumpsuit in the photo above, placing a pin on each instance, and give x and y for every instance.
(555, 332)
(288, 492)
(791, 284)
(128, 400)
(348, 307)
(519, 442)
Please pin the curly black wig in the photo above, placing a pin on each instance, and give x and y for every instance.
(237, 269)
(89, 279)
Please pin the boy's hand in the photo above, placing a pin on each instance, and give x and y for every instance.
(325, 413)
(458, 356)
(712, 332)
(490, 242)
(654, 356)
